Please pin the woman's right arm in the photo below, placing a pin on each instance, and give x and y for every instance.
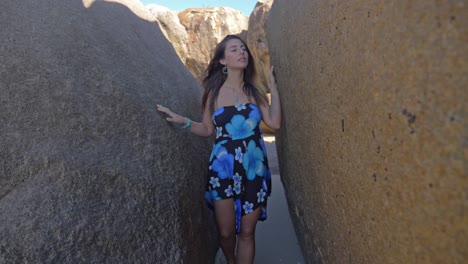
(204, 128)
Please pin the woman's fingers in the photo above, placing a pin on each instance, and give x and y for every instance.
(165, 110)
(162, 108)
(172, 117)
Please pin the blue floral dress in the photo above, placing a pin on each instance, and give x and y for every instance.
(238, 165)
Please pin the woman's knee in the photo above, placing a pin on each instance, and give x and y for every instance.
(227, 233)
(249, 223)
(247, 233)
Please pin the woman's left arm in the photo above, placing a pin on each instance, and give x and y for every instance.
(272, 113)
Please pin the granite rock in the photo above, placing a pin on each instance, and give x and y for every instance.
(258, 43)
(206, 27)
(372, 148)
(172, 29)
(89, 171)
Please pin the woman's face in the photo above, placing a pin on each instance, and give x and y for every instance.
(235, 55)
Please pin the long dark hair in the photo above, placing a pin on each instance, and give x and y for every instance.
(214, 77)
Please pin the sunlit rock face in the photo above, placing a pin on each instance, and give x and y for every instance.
(371, 148)
(258, 42)
(89, 171)
(172, 29)
(204, 28)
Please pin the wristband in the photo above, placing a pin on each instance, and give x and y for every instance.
(189, 122)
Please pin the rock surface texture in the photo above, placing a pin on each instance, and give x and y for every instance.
(194, 32)
(89, 171)
(172, 29)
(372, 145)
(258, 43)
(205, 27)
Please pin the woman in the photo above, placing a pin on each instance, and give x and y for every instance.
(239, 179)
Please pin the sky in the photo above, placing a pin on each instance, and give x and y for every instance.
(245, 6)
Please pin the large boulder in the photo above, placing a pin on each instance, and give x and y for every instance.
(194, 32)
(371, 149)
(172, 29)
(89, 171)
(205, 28)
(258, 43)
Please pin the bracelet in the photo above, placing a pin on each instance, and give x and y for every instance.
(189, 122)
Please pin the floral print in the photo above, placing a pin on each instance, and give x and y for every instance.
(253, 161)
(214, 195)
(217, 112)
(255, 113)
(228, 191)
(216, 148)
(248, 207)
(237, 188)
(238, 166)
(237, 179)
(241, 128)
(223, 164)
(239, 154)
(219, 132)
(215, 182)
(261, 195)
(240, 107)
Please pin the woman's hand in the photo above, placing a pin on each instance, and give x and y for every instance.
(173, 117)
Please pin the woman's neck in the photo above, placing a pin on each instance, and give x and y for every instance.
(235, 79)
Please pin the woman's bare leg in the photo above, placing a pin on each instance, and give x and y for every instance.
(246, 244)
(226, 220)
